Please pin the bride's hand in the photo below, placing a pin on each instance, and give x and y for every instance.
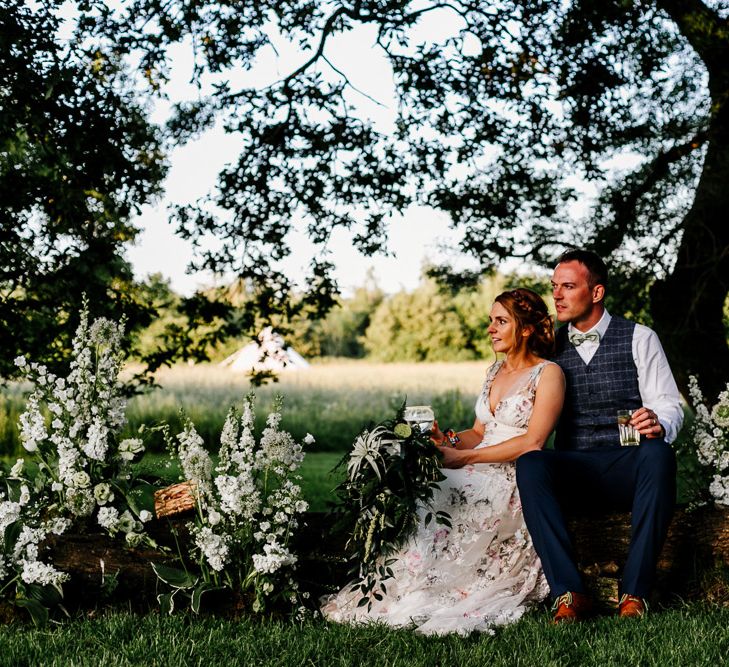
(454, 458)
(436, 435)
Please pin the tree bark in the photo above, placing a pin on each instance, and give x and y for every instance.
(688, 305)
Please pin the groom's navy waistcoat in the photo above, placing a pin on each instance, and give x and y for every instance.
(596, 391)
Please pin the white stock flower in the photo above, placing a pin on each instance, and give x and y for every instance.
(96, 442)
(274, 557)
(215, 548)
(36, 572)
(32, 424)
(108, 518)
(9, 513)
(197, 466)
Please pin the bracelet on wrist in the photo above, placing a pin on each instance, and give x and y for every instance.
(451, 437)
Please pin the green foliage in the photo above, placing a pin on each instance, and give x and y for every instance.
(392, 470)
(78, 158)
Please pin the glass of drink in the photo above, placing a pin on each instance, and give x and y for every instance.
(629, 436)
(420, 415)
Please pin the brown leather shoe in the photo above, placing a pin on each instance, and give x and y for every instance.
(570, 607)
(631, 606)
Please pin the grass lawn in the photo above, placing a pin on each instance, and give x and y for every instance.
(686, 636)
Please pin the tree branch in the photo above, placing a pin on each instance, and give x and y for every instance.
(625, 211)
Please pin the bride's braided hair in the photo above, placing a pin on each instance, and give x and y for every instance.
(528, 309)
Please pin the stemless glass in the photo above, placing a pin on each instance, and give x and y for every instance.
(629, 436)
(420, 415)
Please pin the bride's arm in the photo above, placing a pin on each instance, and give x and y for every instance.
(547, 406)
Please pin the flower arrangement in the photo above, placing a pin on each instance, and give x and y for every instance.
(392, 471)
(710, 437)
(70, 428)
(247, 508)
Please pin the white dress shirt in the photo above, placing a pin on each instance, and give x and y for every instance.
(658, 389)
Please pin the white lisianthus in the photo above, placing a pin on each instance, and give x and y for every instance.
(17, 469)
(214, 518)
(130, 448)
(145, 515)
(134, 539)
(24, 495)
(103, 493)
(126, 522)
(81, 480)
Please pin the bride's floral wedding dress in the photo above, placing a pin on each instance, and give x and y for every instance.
(481, 572)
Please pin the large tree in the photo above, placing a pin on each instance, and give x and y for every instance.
(78, 158)
(526, 110)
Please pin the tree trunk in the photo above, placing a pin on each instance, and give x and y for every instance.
(688, 305)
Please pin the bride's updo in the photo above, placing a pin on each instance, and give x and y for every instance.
(528, 309)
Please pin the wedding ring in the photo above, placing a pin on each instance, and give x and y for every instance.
(653, 421)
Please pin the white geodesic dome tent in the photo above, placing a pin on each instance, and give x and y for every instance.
(267, 353)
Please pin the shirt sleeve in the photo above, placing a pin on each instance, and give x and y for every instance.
(657, 387)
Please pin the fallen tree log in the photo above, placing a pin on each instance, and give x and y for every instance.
(694, 562)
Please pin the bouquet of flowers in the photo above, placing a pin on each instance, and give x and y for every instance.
(392, 471)
(246, 510)
(710, 436)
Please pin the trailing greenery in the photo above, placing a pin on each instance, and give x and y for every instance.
(686, 635)
(392, 471)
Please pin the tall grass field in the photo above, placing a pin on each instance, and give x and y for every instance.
(332, 401)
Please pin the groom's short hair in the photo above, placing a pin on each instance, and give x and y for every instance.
(596, 268)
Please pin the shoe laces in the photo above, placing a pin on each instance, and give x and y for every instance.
(625, 597)
(565, 599)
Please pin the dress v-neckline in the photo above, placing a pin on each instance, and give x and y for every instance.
(509, 391)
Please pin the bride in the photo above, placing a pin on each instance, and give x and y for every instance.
(483, 570)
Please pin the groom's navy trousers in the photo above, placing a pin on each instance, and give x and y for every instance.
(639, 479)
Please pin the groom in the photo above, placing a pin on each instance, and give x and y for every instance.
(610, 364)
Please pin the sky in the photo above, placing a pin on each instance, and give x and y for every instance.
(420, 236)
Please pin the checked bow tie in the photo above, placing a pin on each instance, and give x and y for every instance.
(577, 338)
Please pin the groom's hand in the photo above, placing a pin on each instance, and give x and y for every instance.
(646, 423)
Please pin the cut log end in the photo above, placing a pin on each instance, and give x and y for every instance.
(175, 499)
